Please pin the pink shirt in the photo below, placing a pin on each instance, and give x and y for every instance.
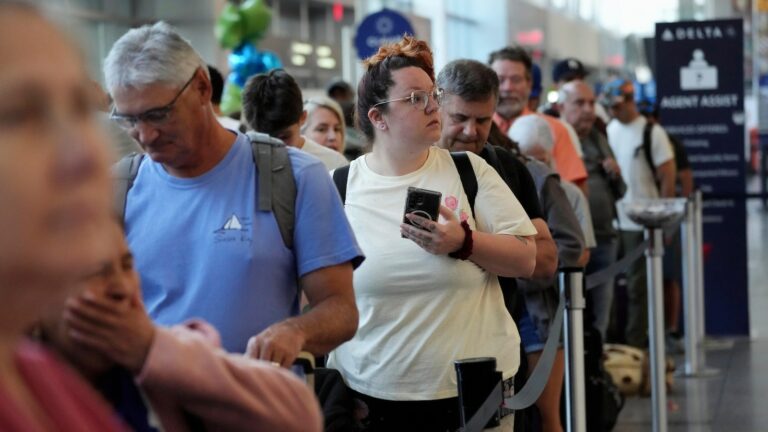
(68, 402)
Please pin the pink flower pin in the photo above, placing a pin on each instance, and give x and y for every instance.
(451, 202)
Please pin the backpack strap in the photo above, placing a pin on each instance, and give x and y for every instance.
(124, 173)
(277, 187)
(646, 148)
(340, 176)
(467, 176)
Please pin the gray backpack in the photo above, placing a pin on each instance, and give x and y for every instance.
(277, 187)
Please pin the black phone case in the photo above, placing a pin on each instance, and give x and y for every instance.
(423, 202)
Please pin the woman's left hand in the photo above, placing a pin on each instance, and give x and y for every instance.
(435, 238)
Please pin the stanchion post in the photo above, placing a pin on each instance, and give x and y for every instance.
(687, 239)
(656, 322)
(699, 255)
(694, 292)
(572, 290)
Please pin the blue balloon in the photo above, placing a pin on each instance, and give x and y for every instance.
(246, 61)
(271, 60)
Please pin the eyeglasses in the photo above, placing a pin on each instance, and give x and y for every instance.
(153, 117)
(418, 98)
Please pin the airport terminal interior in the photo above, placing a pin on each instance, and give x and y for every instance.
(698, 68)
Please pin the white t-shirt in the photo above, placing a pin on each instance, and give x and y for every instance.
(330, 158)
(419, 312)
(625, 139)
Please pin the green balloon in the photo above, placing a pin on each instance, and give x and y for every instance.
(231, 99)
(229, 27)
(256, 17)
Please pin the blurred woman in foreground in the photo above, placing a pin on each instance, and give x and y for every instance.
(54, 210)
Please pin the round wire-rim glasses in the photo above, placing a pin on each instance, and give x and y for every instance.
(418, 98)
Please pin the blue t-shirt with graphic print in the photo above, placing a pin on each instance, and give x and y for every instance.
(204, 251)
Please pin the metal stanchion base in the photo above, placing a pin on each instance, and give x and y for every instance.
(701, 373)
(711, 344)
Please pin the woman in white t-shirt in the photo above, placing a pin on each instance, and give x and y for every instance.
(430, 296)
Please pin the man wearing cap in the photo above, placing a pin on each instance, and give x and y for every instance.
(625, 135)
(577, 102)
(513, 67)
(571, 69)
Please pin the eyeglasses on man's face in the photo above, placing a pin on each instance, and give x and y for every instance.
(418, 98)
(154, 117)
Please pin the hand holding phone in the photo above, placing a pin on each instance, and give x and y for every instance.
(422, 202)
(423, 228)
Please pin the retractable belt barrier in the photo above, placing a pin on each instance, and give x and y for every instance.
(540, 375)
(531, 391)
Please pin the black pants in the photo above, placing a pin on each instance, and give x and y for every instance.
(433, 415)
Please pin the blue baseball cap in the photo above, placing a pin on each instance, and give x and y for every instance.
(613, 92)
(568, 69)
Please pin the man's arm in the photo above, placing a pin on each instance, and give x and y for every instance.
(685, 177)
(666, 175)
(331, 320)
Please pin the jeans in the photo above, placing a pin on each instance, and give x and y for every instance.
(600, 298)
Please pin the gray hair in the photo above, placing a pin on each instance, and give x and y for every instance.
(470, 80)
(311, 105)
(151, 54)
(531, 131)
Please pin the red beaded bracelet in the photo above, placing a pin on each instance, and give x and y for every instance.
(466, 248)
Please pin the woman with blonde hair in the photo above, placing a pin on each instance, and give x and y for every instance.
(428, 292)
(325, 123)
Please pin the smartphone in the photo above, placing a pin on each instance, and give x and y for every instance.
(423, 202)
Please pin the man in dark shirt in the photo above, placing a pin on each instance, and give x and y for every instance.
(467, 128)
(471, 92)
(577, 107)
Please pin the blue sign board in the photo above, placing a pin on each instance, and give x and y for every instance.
(700, 91)
(378, 28)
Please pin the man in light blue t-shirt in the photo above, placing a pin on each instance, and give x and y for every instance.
(202, 248)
